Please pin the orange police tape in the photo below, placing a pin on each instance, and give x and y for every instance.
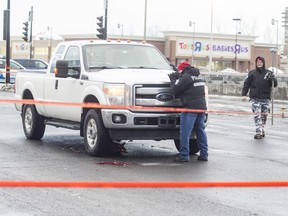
(96, 105)
(131, 184)
(8, 72)
(58, 184)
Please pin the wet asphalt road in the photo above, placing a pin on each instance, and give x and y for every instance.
(233, 156)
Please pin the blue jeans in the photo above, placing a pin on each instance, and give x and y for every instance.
(188, 122)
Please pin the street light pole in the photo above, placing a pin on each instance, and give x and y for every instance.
(7, 78)
(273, 52)
(30, 40)
(276, 60)
(49, 28)
(145, 20)
(106, 18)
(121, 26)
(211, 39)
(236, 19)
(193, 41)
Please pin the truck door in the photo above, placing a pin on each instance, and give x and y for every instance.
(66, 90)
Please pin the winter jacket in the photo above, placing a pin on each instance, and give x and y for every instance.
(259, 82)
(190, 88)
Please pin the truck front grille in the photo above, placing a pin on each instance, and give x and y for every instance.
(155, 95)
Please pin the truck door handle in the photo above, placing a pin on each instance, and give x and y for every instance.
(56, 84)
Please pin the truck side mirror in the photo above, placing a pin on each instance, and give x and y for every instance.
(63, 70)
(174, 67)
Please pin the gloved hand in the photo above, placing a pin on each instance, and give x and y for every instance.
(173, 76)
(272, 77)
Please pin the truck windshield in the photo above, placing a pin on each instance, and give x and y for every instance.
(106, 56)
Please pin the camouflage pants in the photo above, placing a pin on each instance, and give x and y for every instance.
(260, 108)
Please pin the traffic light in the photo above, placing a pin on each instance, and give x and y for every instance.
(25, 33)
(101, 28)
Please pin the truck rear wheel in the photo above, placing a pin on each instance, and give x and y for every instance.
(192, 144)
(96, 138)
(33, 123)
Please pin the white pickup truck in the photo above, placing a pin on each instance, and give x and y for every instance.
(108, 73)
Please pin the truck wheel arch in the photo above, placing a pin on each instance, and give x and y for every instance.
(27, 94)
(87, 99)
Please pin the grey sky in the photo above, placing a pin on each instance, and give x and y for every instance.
(79, 17)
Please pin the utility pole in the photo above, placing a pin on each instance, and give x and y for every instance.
(145, 20)
(276, 60)
(193, 41)
(31, 20)
(236, 19)
(211, 39)
(273, 51)
(106, 15)
(120, 26)
(49, 28)
(7, 79)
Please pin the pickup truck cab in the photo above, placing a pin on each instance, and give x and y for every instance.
(106, 90)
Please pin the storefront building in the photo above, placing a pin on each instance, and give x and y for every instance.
(223, 51)
(208, 52)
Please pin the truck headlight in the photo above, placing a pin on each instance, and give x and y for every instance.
(115, 94)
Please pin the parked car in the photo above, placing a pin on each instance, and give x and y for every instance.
(14, 67)
(36, 64)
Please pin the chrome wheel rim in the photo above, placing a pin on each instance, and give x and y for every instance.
(28, 120)
(91, 133)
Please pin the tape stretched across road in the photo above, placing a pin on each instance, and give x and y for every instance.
(58, 184)
(99, 106)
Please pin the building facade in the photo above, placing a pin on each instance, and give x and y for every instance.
(218, 51)
(208, 52)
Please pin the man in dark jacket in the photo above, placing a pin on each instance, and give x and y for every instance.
(190, 87)
(259, 82)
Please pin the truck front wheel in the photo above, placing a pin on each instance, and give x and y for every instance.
(96, 138)
(33, 123)
(192, 144)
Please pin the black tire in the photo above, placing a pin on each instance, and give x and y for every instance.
(96, 137)
(33, 123)
(192, 144)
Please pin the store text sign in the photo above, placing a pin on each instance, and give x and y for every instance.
(220, 48)
(18, 47)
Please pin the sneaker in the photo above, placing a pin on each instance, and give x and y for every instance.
(202, 158)
(263, 133)
(179, 159)
(257, 136)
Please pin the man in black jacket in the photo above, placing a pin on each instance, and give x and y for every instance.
(259, 82)
(190, 87)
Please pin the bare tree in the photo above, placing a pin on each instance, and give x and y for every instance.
(218, 28)
(247, 28)
(269, 34)
(153, 30)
